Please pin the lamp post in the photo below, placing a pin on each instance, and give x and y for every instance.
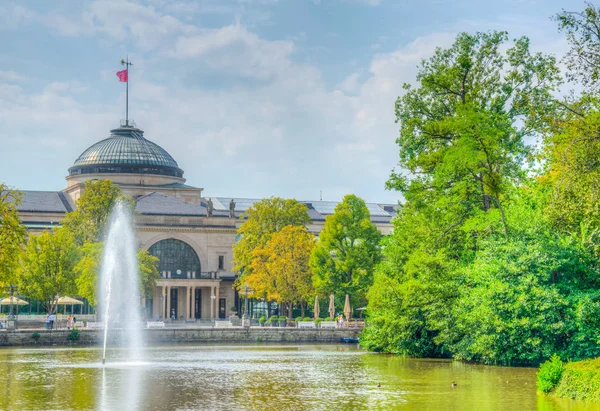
(12, 289)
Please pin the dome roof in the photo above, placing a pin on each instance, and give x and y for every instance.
(126, 151)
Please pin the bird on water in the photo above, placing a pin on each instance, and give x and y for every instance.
(454, 384)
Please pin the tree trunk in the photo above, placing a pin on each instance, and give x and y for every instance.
(502, 216)
(302, 308)
(485, 197)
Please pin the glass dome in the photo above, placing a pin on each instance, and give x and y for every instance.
(126, 151)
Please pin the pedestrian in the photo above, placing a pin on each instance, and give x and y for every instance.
(74, 321)
(52, 321)
(48, 322)
(69, 322)
(173, 314)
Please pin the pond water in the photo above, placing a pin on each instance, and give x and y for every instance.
(259, 377)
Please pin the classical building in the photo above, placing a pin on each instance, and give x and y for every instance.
(190, 233)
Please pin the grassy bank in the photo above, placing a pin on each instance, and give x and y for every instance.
(578, 380)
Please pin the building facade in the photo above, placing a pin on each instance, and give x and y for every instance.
(190, 233)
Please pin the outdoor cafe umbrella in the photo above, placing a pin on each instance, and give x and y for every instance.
(331, 306)
(13, 301)
(317, 308)
(347, 308)
(68, 301)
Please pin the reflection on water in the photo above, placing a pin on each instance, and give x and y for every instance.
(282, 377)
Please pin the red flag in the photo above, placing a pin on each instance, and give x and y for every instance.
(122, 76)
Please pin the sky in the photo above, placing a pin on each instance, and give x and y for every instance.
(252, 98)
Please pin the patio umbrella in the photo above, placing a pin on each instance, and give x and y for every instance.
(13, 301)
(68, 301)
(317, 308)
(347, 308)
(331, 306)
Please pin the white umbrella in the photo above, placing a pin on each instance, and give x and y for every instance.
(67, 301)
(13, 301)
(317, 307)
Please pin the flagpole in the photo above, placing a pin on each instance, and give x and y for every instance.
(126, 63)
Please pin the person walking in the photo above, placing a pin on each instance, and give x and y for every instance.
(173, 314)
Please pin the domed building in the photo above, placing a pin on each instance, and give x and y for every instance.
(194, 248)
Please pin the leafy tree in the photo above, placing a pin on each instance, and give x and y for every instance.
(88, 270)
(263, 219)
(582, 30)
(148, 267)
(12, 234)
(462, 129)
(280, 269)
(348, 250)
(48, 269)
(94, 206)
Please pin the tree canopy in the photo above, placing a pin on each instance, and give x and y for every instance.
(12, 235)
(262, 220)
(48, 269)
(347, 252)
(280, 269)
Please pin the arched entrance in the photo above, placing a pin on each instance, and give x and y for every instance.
(178, 260)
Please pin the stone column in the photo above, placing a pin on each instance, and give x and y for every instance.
(217, 302)
(168, 302)
(212, 304)
(186, 303)
(164, 301)
(191, 301)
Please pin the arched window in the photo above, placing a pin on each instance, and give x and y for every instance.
(175, 255)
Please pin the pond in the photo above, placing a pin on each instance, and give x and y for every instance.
(257, 377)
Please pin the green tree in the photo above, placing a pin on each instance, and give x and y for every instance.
(263, 219)
(462, 129)
(88, 271)
(12, 235)
(48, 269)
(280, 269)
(348, 250)
(94, 206)
(582, 30)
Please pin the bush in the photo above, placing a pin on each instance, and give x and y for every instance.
(306, 319)
(73, 335)
(262, 319)
(234, 309)
(274, 319)
(328, 319)
(580, 381)
(318, 321)
(282, 318)
(549, 374)
(298, 319)
(36, 335)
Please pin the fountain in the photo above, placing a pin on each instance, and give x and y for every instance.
(119, 284)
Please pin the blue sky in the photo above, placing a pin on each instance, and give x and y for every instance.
(253, 98)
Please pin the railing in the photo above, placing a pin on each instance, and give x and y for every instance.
(207, 275)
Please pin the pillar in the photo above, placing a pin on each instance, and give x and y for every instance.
(217, 302)
(191, 302)
(164, 301)
(212, 303)
(168, 301)
(186, 303)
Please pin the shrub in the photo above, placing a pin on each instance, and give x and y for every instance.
(73, 335)
(234, 309)
(262, 319)
(36, 335)
(306, 319)
(580, 381)
(318, 321)
(274, 319)
(298, 319)
(328, 319)
(282, 318)
(549, 374)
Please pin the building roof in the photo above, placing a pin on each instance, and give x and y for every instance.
(45, 202)
(156, 203)
(126, 151)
